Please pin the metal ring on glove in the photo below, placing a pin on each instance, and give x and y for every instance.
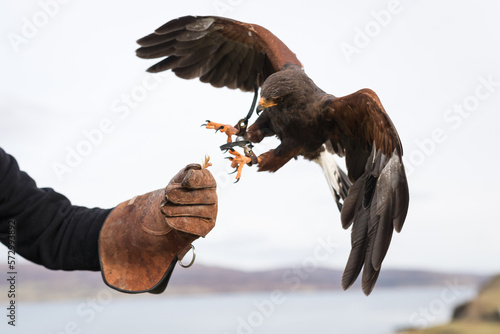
(192, 260)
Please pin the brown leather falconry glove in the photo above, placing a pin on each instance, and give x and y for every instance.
(142, 239)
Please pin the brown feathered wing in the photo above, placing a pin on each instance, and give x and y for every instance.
(219, 51)
(377, 202)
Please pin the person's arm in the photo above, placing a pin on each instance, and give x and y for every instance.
(135, 245)
(50, 231)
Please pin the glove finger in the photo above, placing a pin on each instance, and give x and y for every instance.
(201, 211)
(178, 195)
(193, 225)
(181, 175)
(198, 179)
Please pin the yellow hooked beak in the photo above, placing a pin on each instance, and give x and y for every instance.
(264, 103)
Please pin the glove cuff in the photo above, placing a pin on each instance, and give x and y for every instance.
(137, 249)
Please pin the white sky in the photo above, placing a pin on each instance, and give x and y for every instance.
(73, 73)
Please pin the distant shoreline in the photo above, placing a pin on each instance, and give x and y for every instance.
(40, 284)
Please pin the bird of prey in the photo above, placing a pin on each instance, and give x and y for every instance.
(373, 197)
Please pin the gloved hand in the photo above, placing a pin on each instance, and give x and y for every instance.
(142, 239)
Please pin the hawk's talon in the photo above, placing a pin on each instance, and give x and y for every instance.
(206, 123)
(225, 128)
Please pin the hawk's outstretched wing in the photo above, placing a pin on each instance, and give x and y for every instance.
(220, 51)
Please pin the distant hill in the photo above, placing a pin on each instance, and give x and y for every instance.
(481, 315)
(37, 283)
(485, 307)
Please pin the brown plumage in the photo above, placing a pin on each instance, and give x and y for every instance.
(309, 122)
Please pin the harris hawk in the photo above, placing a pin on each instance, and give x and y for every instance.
(373, 197)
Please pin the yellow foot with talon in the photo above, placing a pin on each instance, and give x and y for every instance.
(225, 128)
(238, 161)
(206, 162)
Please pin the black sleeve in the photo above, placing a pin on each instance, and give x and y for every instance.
(49, 230)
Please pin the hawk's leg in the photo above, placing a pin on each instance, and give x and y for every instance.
(273, 160)
(260, 128)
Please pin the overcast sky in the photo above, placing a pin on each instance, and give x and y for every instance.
(70, 70)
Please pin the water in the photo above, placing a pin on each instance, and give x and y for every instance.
(315, 312)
